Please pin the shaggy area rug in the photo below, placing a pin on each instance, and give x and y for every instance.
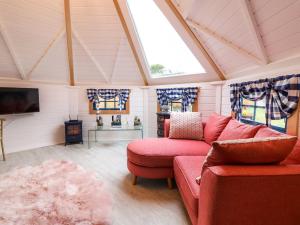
(54, 193)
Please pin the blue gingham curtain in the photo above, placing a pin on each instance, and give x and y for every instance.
(187, 95)
(94, 94)
(281, 93)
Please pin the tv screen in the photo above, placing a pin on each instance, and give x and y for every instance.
(19, 100)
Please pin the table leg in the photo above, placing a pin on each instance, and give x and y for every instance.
(89, 140)
(95, 136)
(2, 147)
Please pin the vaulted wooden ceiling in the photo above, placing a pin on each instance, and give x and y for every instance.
(238, 35)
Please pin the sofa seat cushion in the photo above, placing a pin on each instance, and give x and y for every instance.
(160, 152)
(186, 169)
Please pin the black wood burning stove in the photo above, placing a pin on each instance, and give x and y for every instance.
(73, 132)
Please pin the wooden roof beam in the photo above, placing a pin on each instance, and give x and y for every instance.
(254, 30)
(225, 41)
(12, 51)
(69, 41)
(130, 40)
(188, 7)
(198, 42)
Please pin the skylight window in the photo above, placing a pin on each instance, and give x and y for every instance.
(164, 50)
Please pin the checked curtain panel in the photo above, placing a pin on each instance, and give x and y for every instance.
(187, 95)
(281, 93)
(95, 94)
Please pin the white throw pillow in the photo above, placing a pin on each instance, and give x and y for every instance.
(186, 125)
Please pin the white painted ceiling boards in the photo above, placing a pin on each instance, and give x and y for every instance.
(238, 35)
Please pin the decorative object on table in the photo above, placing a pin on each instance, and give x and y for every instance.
(73, 131)
(161, 116)
(164, 108)
(137, 121)
(99, 119)
(116, 121)
(126, 122)
(56, 192)
(1, 138)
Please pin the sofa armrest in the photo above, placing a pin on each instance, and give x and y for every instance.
(250, 195)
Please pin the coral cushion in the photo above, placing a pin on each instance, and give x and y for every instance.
(294, 156)
(214, 127)
(160, 152)
(186, 169)
(236, 130)
(187, 125)
(250, 151)
(267, 132)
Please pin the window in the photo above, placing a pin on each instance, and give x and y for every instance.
(164, 50)
(110, 106)
(254, 112)
(175, 106)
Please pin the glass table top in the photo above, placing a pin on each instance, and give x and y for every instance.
(109, 128)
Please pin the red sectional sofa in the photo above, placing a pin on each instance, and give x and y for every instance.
(227, 195)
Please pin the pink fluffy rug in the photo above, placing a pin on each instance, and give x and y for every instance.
(54, 193)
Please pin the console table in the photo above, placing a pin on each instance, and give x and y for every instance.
(105, 129)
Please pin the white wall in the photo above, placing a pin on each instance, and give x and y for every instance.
(27, 131)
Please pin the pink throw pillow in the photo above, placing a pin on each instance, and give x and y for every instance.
(214, 127)
(236, 130)
(267, 132)
(249, 151)
(187, 125)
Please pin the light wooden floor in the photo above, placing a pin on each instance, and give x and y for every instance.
(148, 203)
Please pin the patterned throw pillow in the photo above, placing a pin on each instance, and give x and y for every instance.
(187, 125)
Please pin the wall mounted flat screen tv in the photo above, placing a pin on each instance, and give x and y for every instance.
(19, 100)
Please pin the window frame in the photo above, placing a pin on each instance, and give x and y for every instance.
(253, 122)
(194, 106)
(125, 110)
(145, 61)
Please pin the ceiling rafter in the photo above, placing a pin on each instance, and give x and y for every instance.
(196, 40)
(12, 51)
(225, 41)
(185, 11)
(254, 30)
(90, 55)
(69, 41)
(130, 40)
(52, 43)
